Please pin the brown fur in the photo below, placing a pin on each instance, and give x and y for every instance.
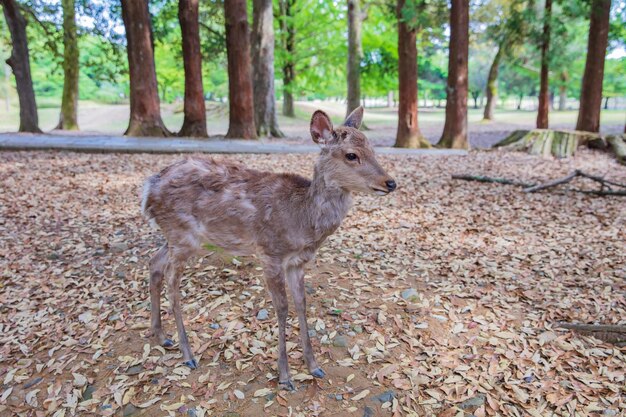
(283, 218)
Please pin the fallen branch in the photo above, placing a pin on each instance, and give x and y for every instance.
(615, 334)
(605, 185)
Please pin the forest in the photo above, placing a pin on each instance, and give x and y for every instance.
(363, 208)
(494, 54)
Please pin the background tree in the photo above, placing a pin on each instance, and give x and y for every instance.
(288, 38)
(455, 127)
(68, 120)
(355, 54)
(263, 69)
(591, 94)
(241, 101)
(194, 123)
(145, 112)
(544, 94)
(19, 61)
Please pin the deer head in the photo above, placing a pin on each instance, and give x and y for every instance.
(347, 159)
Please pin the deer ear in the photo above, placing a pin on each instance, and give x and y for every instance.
(355, 118)
(321, 128)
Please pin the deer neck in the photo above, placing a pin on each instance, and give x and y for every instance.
(328, 203)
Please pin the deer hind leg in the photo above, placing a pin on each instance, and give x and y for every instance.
(173, 275)
(275, 280)
(157, 267)
(295, 278)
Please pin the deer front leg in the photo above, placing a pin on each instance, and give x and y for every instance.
(174, 275)
(157, 266)
(295, 277)
(276, 285)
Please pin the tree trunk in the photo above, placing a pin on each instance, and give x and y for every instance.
(591, 92)
(606, 103)
(289, 45)
(68, 119)
(563, 90)
(194, 123)
(408, 134)
(241, 99)
(455, 127)
(475, 98)
(19, 61)
(263, 69)
(355, 54)
(492, 84)
(544, 98)
(145, 111)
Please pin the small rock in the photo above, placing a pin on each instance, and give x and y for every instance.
(410, 294)
(351, 334)
(105, 407)
(270, 396)
(114, 317)
(309, 289)
(368, 412)
(214, 326)
(263, 314)
(385, 397)
(192, 412)
(53, 256)
(609, 413)
(340, 341)
(339, 397)
(33, 382)
(135, 370)
(120, 275)
(345, 326)
(473, 402)
(358, 328)
(129, 410)
(312, 333)
(119, 247)
(99, 252)
(88, 394)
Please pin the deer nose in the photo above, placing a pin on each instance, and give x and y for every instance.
(391, 185)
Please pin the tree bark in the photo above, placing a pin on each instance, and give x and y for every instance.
(492, 84)
(591, 92)
(240, 96)
(68, 120)
(194, 123)
(355, 54)
(145, 111)
(455, 127)
(263, 69)
(544, 94)
(19, 61)
(289, 45)
(408, 134)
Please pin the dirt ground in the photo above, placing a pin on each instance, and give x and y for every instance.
(441, 299)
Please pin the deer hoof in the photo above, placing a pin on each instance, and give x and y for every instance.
(318, 373)
(192, 364)
(288, 386)
(168, 343)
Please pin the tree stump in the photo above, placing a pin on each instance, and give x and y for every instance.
(547, 142)
(618, 145)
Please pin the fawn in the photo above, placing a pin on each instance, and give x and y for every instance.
(283, 218)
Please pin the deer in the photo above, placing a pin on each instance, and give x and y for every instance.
(281, 217)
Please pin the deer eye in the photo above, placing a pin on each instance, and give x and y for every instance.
(351, 156)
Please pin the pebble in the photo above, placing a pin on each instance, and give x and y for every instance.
(134, 370)
(119, 246)
(410, 294)
(358, 328)
(88, 394)
(129, 410)
(263, 314)
(385, 397)
(340, 341)
(120, 275)
(351, 334)
(312, 333)
(214, 326)
(192, 412)
(33, 382)
(476, 401)
(368, 412)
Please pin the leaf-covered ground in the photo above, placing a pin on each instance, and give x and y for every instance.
(486, 272)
